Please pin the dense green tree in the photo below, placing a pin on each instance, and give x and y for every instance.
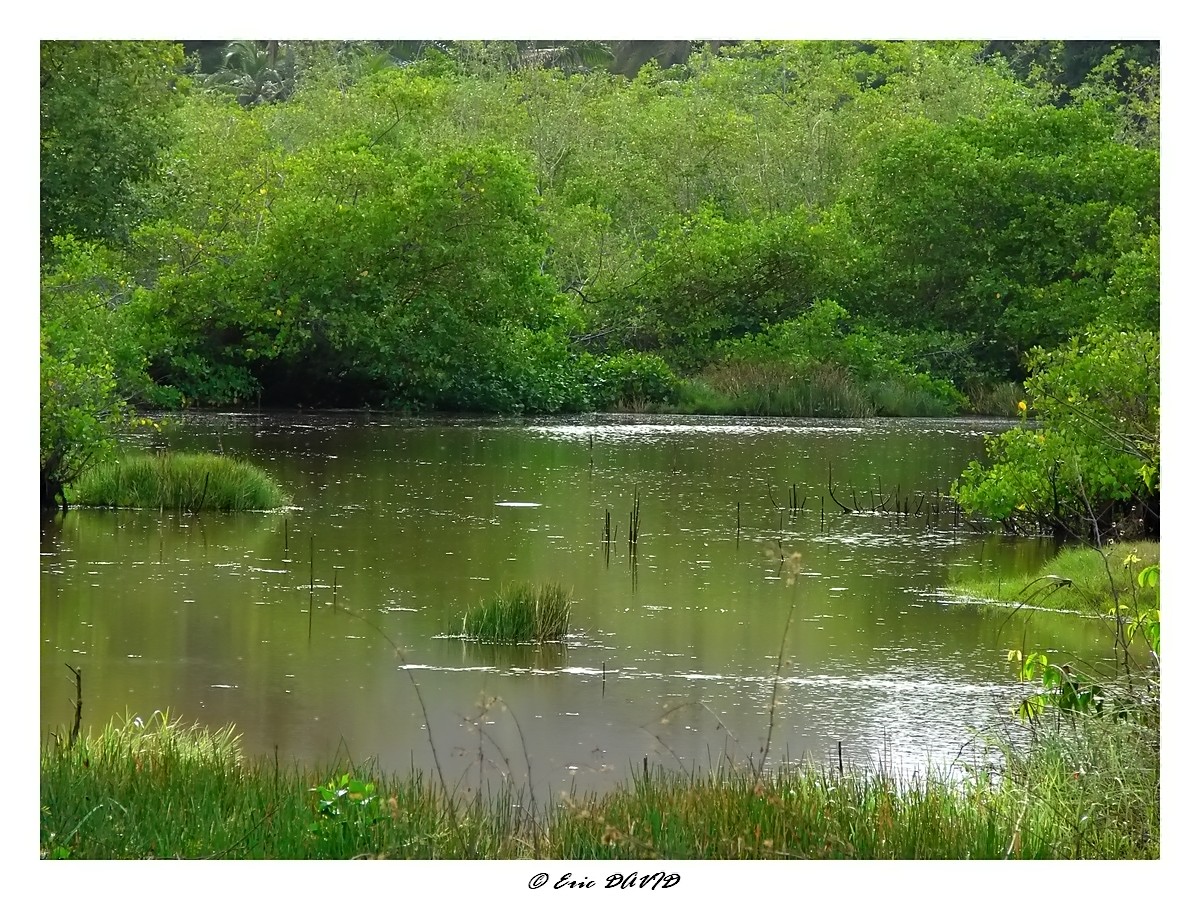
(1008, 228)
(106, 111)
(339, 263)
(1128, 90)
(1060, 67)
(451, 224)
(705, 279)
(91, 363)
(106, 116)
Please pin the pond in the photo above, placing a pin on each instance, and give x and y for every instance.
(328, 632)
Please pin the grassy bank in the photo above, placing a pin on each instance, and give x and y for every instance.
(163, 790)
(520, 613)
(1079, 579)
(998, 399)
(775, 388)
(178, 481)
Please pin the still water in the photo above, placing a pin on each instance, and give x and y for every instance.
(321, 630)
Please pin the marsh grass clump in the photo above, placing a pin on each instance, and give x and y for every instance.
(521, 613)
(95, 792)
(162, 742)
(1091, 783)
(1088, 790)
(178, 481)
(776, 388)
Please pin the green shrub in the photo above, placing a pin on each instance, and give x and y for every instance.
(916, 395)
(1093, 464)
(632, 380)
(817, 364)
(552, 378)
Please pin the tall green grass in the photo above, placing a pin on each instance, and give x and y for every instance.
(810, 813)
(774, 388)
(161, 789)
(1092, 783)
(166, 790)
(178, 481)
(521, 613)
(999, 399)
(895, 398)
(780, 388)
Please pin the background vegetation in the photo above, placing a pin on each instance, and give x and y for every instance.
(814, 228)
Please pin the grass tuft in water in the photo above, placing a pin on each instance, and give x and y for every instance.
(178, 481)
(521, 613)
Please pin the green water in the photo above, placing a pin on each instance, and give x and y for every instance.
(673, 654)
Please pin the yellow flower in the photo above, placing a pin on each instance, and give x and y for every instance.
(279, 312)
(1021, 407)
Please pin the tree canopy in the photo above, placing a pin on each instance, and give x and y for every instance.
(555, 225)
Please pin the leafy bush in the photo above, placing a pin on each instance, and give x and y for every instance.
(819, 333)
(631, 380)
(341, 268)
(90, 363)
(1093, 462)
(533, 372)
(704, 278)
(916, 395)
(81, 412)
(817, 364)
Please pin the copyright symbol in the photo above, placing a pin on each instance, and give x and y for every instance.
(538, 880)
